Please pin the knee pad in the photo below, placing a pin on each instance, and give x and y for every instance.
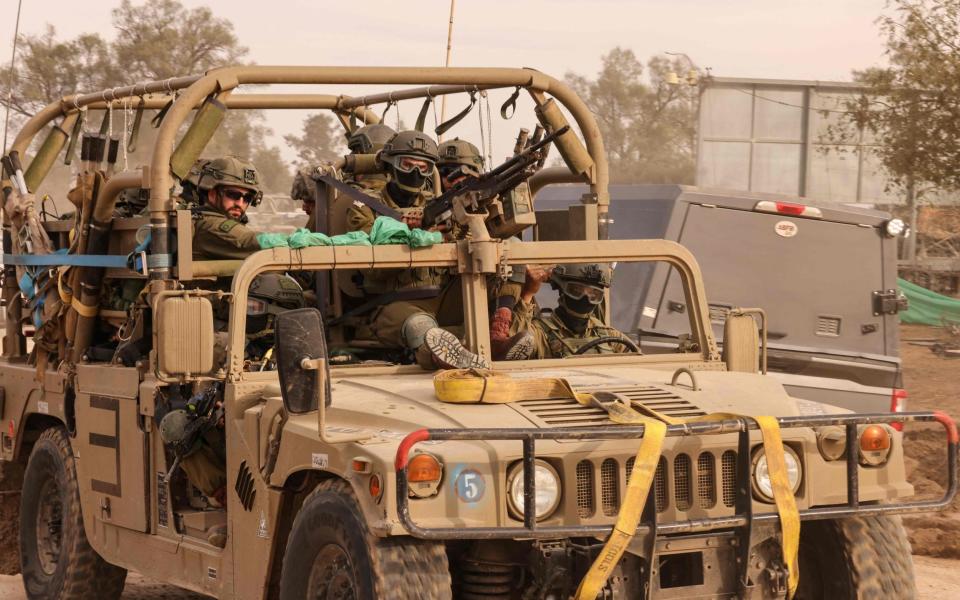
(415, 328)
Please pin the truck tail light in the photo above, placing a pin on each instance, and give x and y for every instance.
(898, 403)
(788, 208)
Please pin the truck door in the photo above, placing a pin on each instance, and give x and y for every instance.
(111, 446)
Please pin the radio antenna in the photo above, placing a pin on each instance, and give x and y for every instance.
(13, 58)
(443, 102)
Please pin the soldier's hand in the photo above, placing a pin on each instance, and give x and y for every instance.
(535, 276)
(413, 219)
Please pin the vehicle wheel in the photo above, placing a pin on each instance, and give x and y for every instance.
(865, 557)
(331, 554)
(56, 557)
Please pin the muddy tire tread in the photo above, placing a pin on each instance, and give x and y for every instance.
(402, 568)
(87, 575)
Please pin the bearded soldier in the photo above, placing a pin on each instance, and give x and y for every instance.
(574, 325)
(220, 229)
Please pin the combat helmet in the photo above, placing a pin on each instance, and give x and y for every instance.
(230, 170)
(303, 187)
(192, 192)
(581, 281)
(369, 138)
(459, 153)
(271, 294)
(409, 144)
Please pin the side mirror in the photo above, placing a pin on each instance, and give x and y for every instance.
(742, 347)
(298, 337)
(185, 337)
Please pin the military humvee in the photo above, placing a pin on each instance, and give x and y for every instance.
(358, 479)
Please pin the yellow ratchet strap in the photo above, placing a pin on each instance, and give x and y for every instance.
(473, 386)
(83, 310)
(66, 296)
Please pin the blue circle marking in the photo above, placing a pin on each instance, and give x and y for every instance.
(470, 486)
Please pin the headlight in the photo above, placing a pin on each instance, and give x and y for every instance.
(548, 489)
(761, 472)
(894, 227)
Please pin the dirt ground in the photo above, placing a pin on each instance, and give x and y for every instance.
(932, 383)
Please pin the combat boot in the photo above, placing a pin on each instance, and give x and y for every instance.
(442, 350)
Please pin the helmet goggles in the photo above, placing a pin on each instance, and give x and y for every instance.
(577, 290)
(409, 164)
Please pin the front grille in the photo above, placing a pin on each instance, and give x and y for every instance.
(660, 485)
(706, 475)
(728, 465)
(681, 483)
(585, 506)
(609, 487)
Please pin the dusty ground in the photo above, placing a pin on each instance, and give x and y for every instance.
(932, 382)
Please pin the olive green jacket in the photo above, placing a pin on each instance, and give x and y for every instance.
(218, 237)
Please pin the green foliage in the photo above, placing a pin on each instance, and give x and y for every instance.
(912, 105)
(648, 124)
(322, 140)
(154, 40)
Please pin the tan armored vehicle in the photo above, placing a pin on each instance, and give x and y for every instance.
(351, 475)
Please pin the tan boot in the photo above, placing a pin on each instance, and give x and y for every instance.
(447, 352)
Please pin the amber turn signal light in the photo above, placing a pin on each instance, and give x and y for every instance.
(424, 473)
(874, 445)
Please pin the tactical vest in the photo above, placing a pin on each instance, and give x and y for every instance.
(564, 342)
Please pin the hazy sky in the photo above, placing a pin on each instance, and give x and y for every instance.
(813, 39)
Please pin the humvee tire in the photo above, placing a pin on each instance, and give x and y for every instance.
(331, 553)
(55, 556)
(853, 558)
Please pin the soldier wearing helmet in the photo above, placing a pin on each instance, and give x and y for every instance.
(231, 186)
(422, 299)
(204, 461)
(304, 189)
(370, 139)
(458, 161)
(574, 323)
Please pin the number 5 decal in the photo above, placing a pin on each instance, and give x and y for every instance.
(470, 486)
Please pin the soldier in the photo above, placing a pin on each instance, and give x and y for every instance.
(220, 228)
(304, 189)
(459, 160)
(204, 461)
(417, 301)
(369, 139)
(573, 324)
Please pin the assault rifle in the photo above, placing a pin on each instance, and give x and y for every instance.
(182, 428)
(477, 194)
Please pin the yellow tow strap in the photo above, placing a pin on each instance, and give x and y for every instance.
(490, 387)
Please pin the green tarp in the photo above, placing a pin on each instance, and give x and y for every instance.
(385, 231)
(926, 307)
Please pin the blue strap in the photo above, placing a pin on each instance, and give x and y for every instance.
(74, 260)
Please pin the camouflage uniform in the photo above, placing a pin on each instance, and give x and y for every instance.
(574, 322)
(217, 236)
(414, 324)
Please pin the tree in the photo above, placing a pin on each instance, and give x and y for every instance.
(153, 41)
(648, 124)
(913, 105)
(162, 39)
(322, 140)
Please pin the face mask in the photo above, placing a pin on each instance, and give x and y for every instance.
(412, 181)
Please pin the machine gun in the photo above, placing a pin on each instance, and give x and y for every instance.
(479, 195)
(182, 428)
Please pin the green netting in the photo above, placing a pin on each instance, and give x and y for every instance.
(385, 231)
(926, 307)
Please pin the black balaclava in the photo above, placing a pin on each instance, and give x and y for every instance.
(575, 314)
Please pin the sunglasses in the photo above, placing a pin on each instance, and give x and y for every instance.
(408, 164)
(237, 195)
(577, 290)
